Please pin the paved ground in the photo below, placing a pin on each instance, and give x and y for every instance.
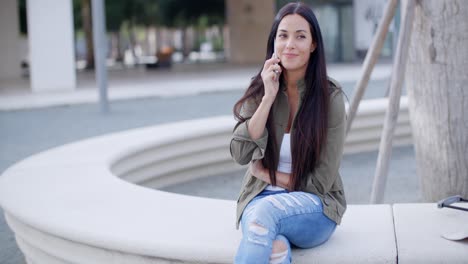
(357, 171)
(25, 132)
(179, 81)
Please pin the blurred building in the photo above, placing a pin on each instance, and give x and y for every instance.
(51, 55)
(347, 26)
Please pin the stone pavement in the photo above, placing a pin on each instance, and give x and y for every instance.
(26, 131)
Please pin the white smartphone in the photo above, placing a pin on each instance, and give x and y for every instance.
(274, 54)
(274, 49)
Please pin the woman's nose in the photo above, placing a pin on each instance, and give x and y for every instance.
(290, 44)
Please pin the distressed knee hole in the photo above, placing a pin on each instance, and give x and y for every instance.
(257, 229)
(259, 234)
(279, 252)
(258, 241)
(279, 247)
(277, 258)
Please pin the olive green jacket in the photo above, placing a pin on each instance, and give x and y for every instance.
(325, 181)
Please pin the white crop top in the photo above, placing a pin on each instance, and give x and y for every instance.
(285, 160)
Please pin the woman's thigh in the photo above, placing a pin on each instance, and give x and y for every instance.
(296, 215)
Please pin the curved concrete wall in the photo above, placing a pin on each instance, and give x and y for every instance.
(74, 203)
(200, 155)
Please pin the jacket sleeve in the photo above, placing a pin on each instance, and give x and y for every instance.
(243, 148)
(325, 174)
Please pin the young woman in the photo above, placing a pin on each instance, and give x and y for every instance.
(291, 127)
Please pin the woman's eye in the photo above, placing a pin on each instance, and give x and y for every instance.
(282, 36)
(301, 37)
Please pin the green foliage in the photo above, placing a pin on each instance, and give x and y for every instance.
(23, 25)
(218, 44)
(183, 13)
(115, 14)
(146, 12)
(169, 13)
(77, 16)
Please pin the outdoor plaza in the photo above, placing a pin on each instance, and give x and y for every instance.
(193, 97)
(130, 162)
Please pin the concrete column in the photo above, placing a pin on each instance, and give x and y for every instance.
(52, 56)
(249, 25)
(10, 65)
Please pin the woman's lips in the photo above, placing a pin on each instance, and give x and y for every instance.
(289, 55)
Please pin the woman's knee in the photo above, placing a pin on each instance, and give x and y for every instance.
(279, 246)
(281, 251)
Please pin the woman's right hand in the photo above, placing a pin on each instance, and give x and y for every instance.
(270, 76)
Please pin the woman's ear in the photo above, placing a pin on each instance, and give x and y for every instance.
(313, 46)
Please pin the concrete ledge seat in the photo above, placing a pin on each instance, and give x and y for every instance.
(96, 201)
(419, 229)
(77, 203)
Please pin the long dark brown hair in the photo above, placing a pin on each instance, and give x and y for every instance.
(311, 123)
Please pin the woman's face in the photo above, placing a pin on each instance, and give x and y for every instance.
(293, 43)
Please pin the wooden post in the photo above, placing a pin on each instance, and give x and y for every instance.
(370, 60)
(391, 116)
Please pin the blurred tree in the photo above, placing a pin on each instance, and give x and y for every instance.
(181, 13)
(118, 14)
(436, 78)
(115, 17)
(128, 14)
(150, 17)
(86, 21)
(140, 12)
(147, 13)
(77, 14)
(23, 23)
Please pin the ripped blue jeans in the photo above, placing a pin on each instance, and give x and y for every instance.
(295, 218)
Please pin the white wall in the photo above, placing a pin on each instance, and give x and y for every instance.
(50, 33)
(9, 32)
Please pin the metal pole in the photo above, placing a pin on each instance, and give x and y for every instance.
(100, 51)
(391, 115)
(370, 60)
